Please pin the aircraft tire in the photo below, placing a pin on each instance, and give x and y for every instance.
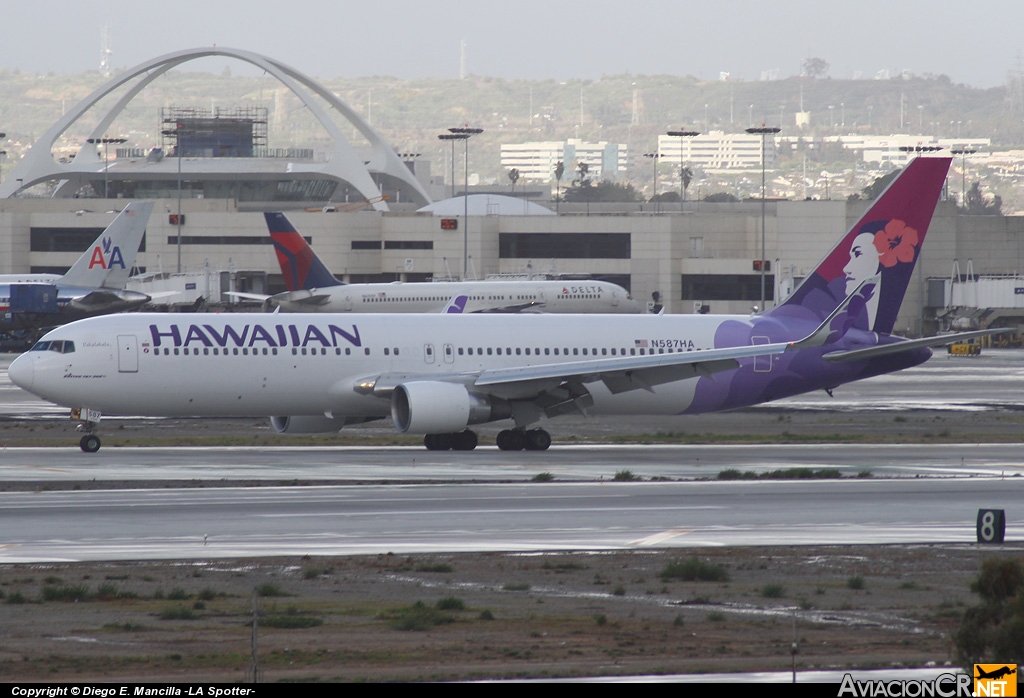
(511, 440)
(90, 443)
(433, 442)
(537, 440)
(464, 441)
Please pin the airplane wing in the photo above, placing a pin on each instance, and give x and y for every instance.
(309, 299)
(531, 307)
(625, 373)
(559, 388)
(102, 298)
(246, 296)
(908, 344)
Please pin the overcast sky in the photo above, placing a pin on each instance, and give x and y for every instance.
(532, 39)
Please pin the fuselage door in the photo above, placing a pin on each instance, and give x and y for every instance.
(348, 302)
(127, 353)
(449, 354)
(428, 353)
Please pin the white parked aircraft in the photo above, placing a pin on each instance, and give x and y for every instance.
(312, 288)
(437, 374)
(94, 285)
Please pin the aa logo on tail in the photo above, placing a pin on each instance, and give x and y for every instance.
(106, 255)
(995, 680)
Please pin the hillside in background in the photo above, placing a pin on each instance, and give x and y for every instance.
(631, 109)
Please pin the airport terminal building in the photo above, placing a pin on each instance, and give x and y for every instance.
(704, 258)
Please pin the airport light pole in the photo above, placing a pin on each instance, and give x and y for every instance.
(681, 135)
(654, 158)
(452, 137)
(763, 131)
(178, 133)
(462, 133)
(963, 153)
(410, 161)
(105, 142)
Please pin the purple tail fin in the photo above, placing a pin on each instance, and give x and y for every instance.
(301, 267)
(885, 242)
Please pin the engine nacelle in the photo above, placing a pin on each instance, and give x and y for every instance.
(314, 425)
(435, 407)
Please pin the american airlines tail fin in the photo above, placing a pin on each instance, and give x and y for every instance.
(885, 242)
(109, 260)
(302, 269)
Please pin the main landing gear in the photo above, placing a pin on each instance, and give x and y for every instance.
(508, 440)
(519, 439)
(460, 441)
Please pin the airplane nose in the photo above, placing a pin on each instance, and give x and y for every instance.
(22, 371)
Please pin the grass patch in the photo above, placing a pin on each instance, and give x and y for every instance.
(855, 582)
(66, 592)
(420, 617)
(126, 627)
(773, 591)
(694, 569)
(178, 612)
(542, 477)
(442, 567)
(270, 590)
(781, 474)
(516, 586)
(450, 603)
(290, 619)
(625, 476)
(179, 594)
(563, 566)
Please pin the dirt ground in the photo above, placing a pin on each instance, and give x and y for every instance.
(474, 616)
(501, 615)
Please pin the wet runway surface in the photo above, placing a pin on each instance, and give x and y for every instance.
(482, 500)
(243, 522)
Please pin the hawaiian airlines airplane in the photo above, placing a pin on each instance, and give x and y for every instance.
(438, 374)
(313, 289)
(93, 286)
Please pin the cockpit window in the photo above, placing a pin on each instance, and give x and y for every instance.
(61, 346)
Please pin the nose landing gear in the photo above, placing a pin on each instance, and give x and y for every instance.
(88, 420)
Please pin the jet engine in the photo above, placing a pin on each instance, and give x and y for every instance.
(435, 407)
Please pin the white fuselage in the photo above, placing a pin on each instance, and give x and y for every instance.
(481, 296)
(260, 364)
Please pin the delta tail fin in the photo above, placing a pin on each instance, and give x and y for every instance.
(885, 242)
(302, 269)
(108, 261)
